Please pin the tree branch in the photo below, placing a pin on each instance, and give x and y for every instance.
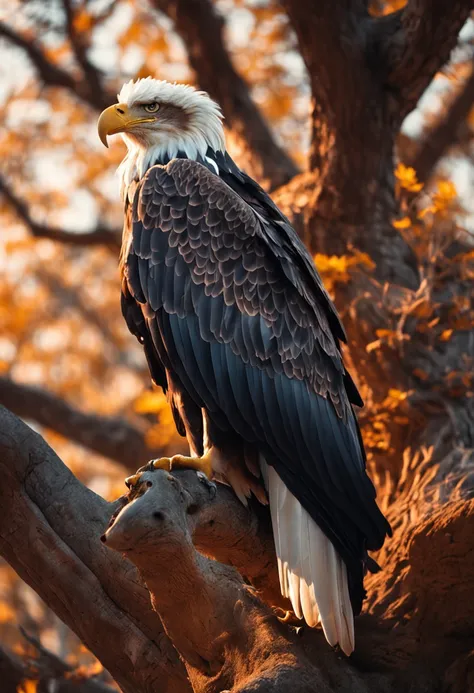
(109, 436)
(94, 94)
(214, 621)
(424, 34)
(49, 528)
(201, 28)
(49, 533)
(101, 235)
(92, 75)
(438, 140)
(50, 74)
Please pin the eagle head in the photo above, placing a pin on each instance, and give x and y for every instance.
(158, 119)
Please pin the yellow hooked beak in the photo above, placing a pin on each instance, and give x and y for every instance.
(117, 118)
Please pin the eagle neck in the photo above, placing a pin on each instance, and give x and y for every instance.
(139, 160)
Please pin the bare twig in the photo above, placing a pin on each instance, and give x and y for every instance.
(112, 437)
(101, 235)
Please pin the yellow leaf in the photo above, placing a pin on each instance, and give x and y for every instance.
(404, 223)
(149, 402)
(421, 308)
(363, 259)
(384, 333)
(444, 196)
(406, 176)
(28, 686)
(446, 335)
(82, 21)
(397, 394)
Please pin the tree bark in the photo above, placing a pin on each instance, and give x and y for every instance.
(366, 74)
(50, 526)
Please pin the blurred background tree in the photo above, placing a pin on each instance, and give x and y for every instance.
(67, 362)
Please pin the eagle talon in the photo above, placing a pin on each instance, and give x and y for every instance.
(131, 481)
(211, 486)
(163, 463)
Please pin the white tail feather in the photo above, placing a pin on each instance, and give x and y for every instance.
(311, 572)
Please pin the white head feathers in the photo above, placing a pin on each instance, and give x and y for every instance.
(198, 128)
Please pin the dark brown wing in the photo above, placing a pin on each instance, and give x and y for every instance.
(245, 329)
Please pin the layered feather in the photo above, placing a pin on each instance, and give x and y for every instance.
(237, 314)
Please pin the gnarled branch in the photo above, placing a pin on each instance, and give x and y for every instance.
(50, 526)
(49, 530)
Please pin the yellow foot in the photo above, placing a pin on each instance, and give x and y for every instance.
(202, 465)
(199, 464)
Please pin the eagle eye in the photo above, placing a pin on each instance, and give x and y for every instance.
(151, 107)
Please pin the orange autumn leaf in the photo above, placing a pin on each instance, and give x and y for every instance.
(406, 176)
(28, 686)
(403, 223)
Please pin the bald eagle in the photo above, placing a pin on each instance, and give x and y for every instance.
(240, 333)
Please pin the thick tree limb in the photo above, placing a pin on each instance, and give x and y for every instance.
(201, 28)
(49, 533)
(226, 637)
(49, 528)
(438, 140)
(425, 32)
(109, 436)
(99, 236)
(366, 74)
